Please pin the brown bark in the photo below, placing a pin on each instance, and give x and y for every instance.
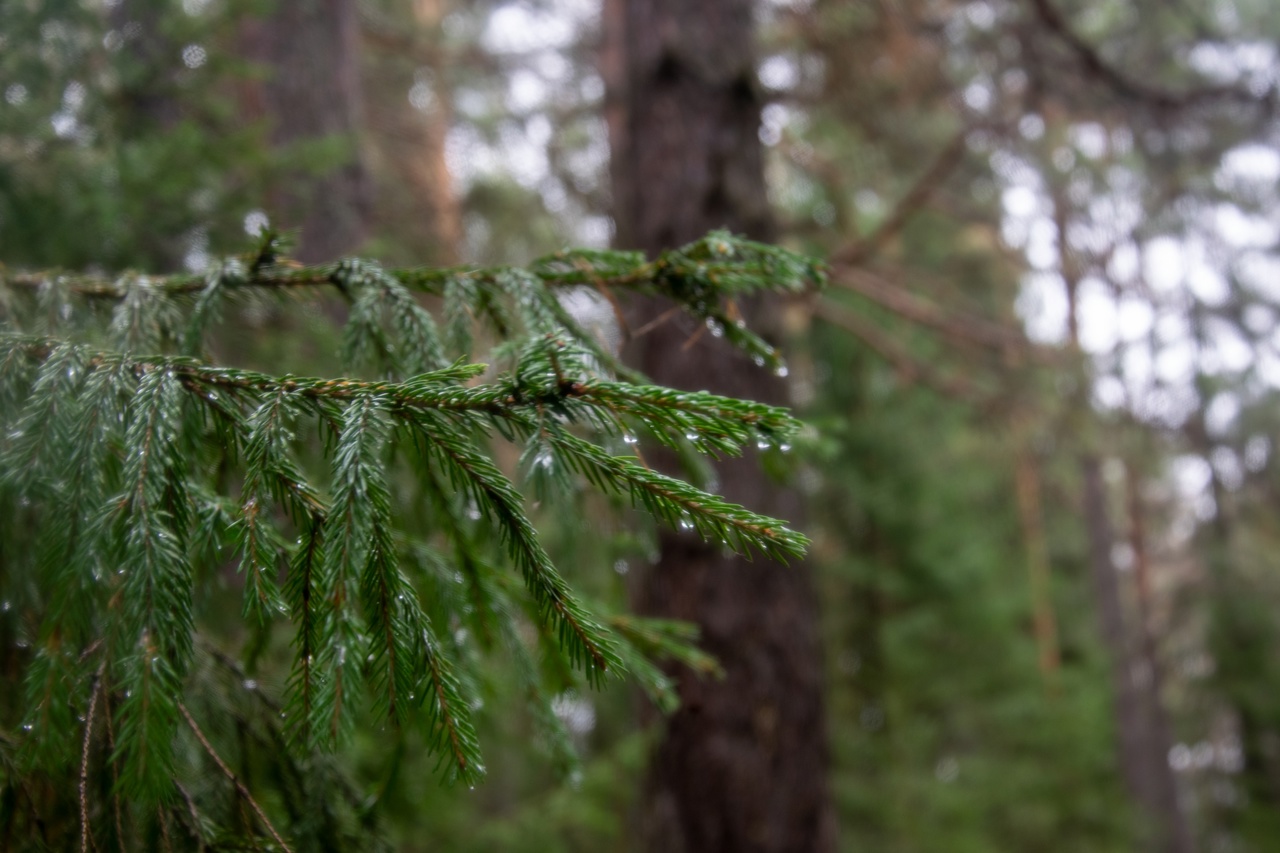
(417, 204)
(742, 765)
(1031, 517)
(430, 168)
(310, 52)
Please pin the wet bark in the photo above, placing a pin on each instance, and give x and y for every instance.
(742, 764)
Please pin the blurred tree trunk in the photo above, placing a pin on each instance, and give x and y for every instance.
(430, 169)
(148, 103)
(418, 208)
(743, 763)
(1142, 731)
(1143, 738)
(310, 50)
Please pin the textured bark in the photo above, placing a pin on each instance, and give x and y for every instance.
(742, 766)
(310, 51)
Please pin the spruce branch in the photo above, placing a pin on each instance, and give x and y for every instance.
(703, 278)
(161, 459)
(679, 504)
(156, 623)
(307, 611)
(473, 474)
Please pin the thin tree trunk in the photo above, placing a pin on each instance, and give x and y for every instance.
(310, 50)
(1142, 730)
(1143, 744)
(742, 766)
(1031, 518)
(1161, 731)
(430, 168)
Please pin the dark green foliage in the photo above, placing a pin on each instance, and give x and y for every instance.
(375, 513)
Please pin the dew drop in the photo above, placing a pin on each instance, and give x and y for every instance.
(761, 444)
(250, 684)
(781, 371)
(785, 448)
(628, 438)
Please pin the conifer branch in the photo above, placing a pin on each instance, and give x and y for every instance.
(476, 476)
(139, 440)
(679, 504)
(703, 278)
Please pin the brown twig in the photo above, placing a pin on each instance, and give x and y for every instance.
(84, 758)
(163, 820)
(656, 322)
(235, 780)
(195, 816)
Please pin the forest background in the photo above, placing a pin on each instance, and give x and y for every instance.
(1040, 607)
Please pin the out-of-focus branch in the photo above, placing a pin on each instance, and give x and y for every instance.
(1127, 87)
(915, 198)
(960, 327)
(909, 368)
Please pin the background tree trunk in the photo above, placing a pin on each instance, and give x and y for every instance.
(743, 763)
(1143, 737)
(310, 49)
(1142, 733)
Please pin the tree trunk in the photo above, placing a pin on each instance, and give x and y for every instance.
(310, 50)
(1142, 732)
(1143, 738)
(742, 766)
